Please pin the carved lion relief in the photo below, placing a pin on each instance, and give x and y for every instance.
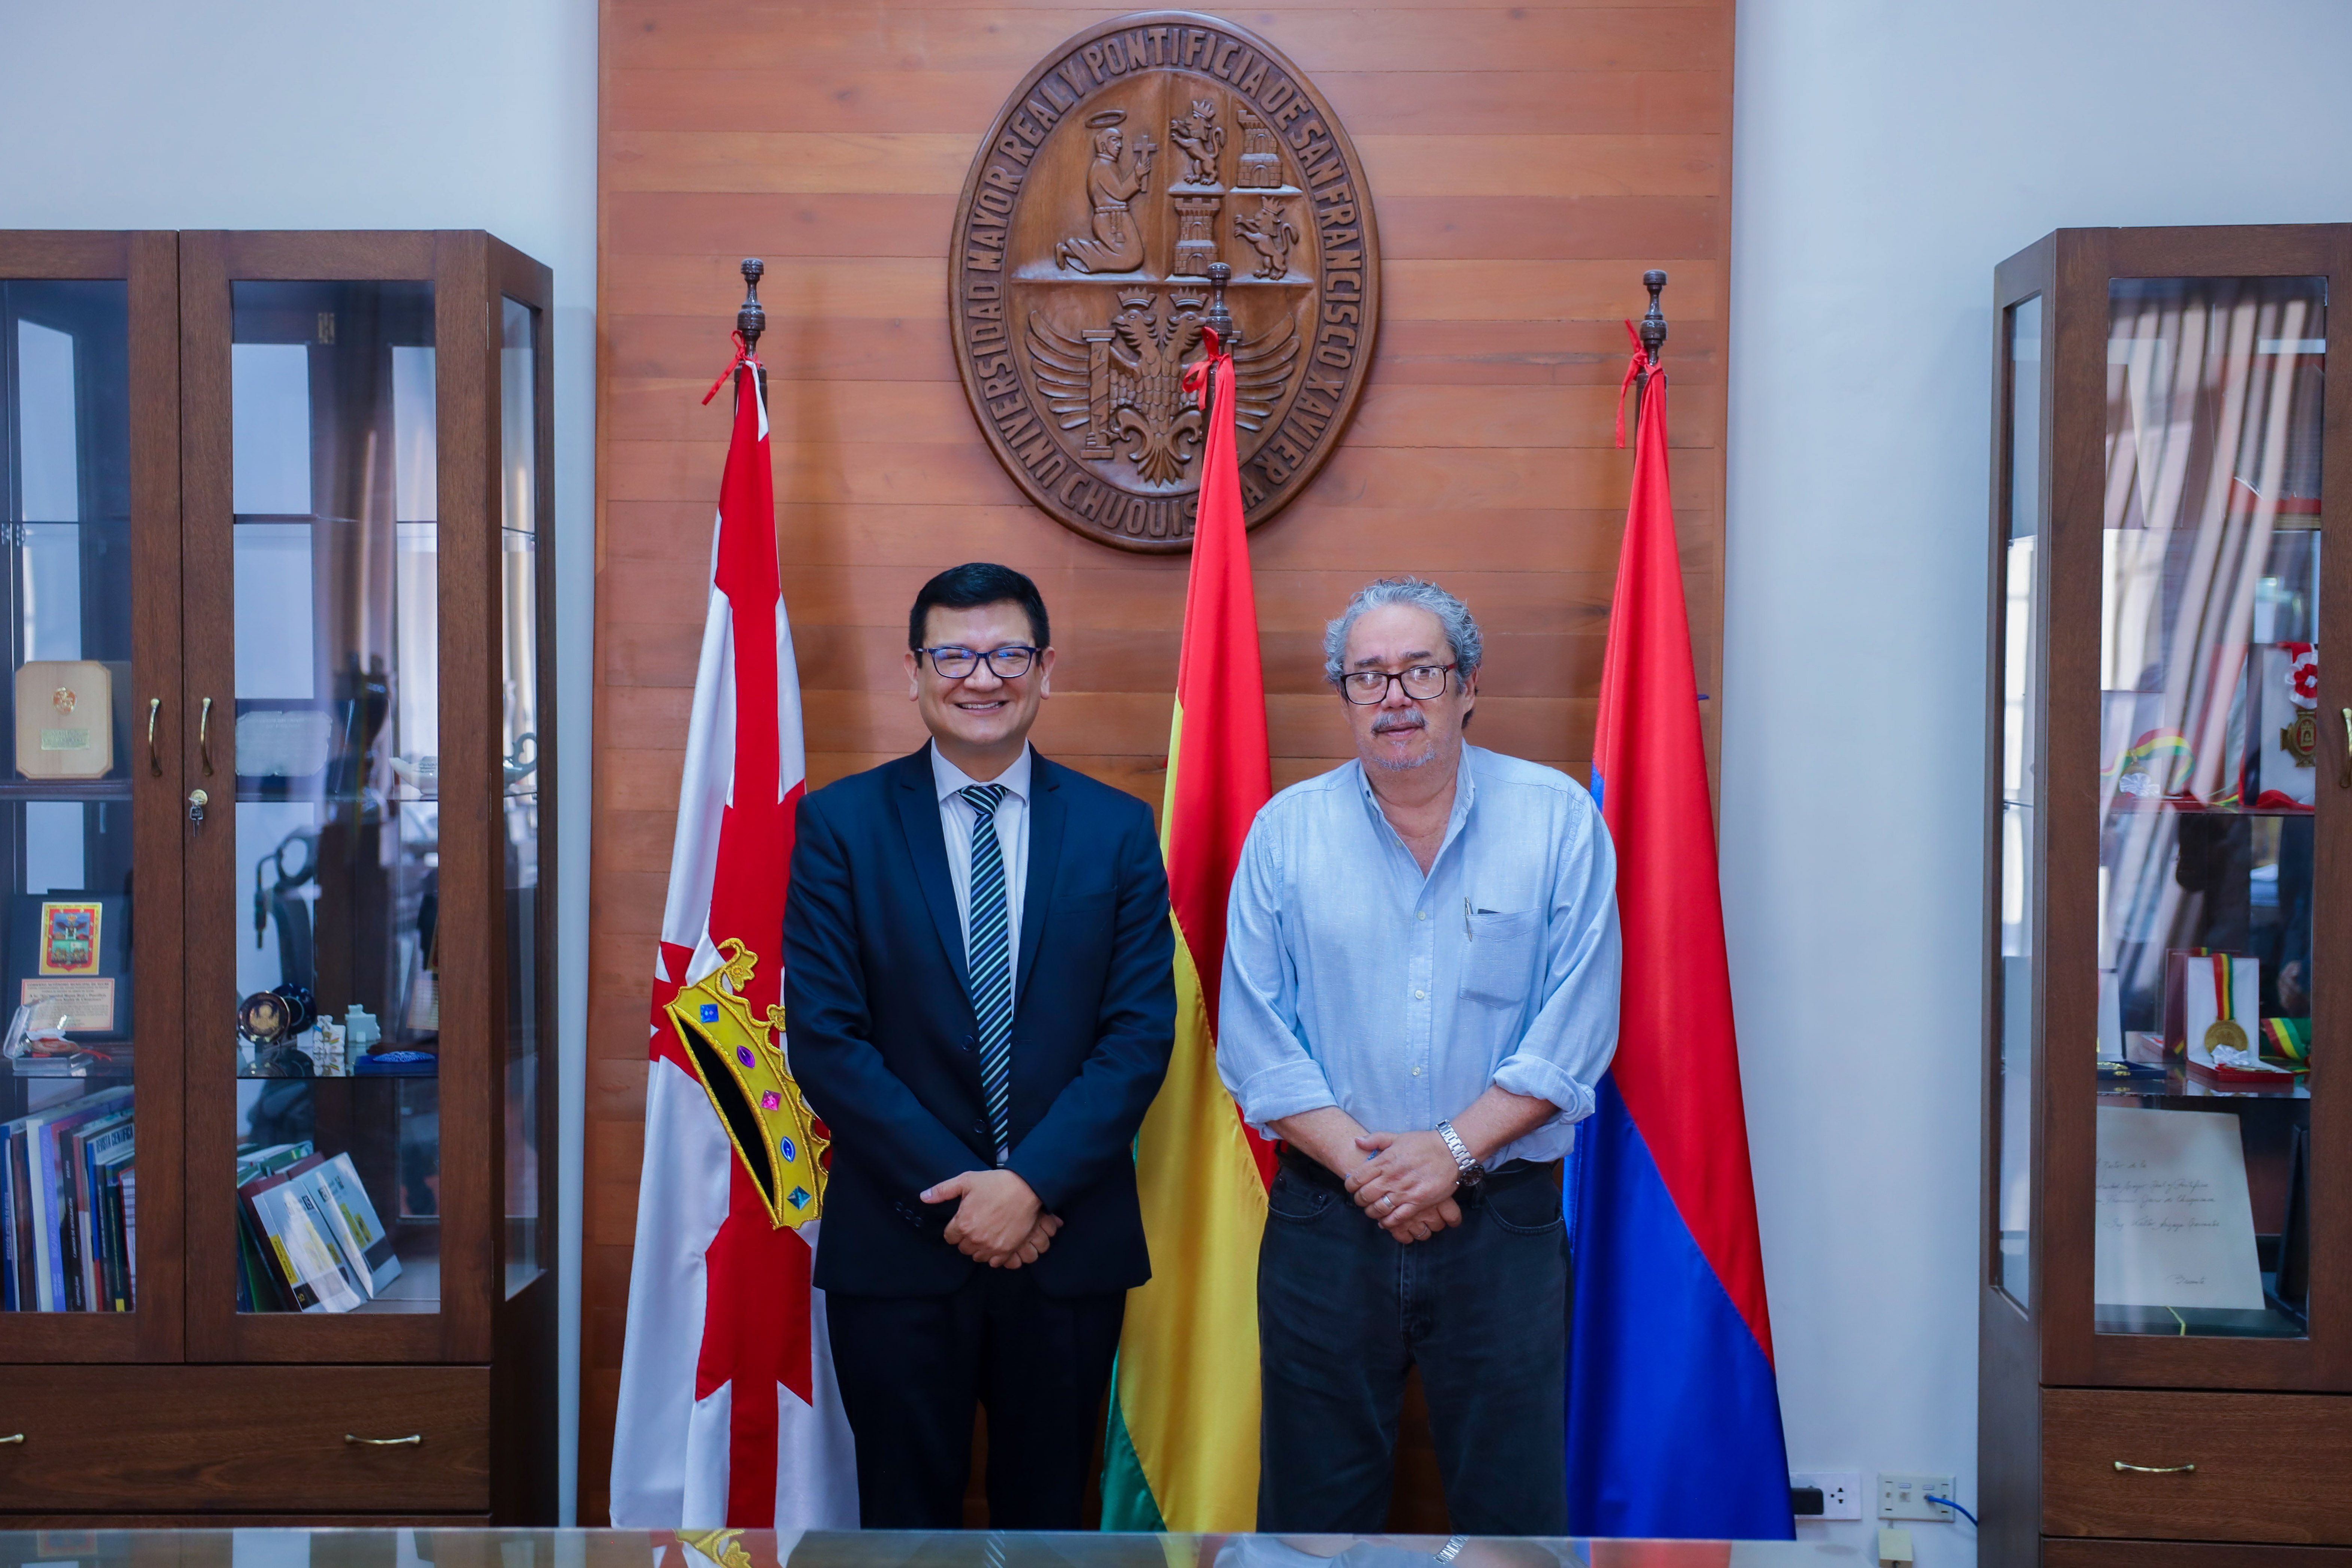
(1138, 153)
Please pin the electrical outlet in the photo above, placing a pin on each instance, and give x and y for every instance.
(1841, 1492)
(1906, 1497)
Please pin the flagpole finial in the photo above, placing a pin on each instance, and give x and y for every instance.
(750, 319)
(1653, 321)
(1222, 319)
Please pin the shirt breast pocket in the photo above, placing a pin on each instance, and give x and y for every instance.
(1498, 966)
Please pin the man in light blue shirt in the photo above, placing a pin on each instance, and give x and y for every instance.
(1420, 993)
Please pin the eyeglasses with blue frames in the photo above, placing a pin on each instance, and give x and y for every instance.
(1367, 687)
(1007, 663)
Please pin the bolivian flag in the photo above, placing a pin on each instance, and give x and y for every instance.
(1181, 1451)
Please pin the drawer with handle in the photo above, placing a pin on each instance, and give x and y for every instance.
(2158, 1464)
(245, 1439)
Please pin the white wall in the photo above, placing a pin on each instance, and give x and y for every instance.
(426, 114)
(1885, 155)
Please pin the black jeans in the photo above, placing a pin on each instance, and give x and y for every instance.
(1343, 1312)
(912, 1368)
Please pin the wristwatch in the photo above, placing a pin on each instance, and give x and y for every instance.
(1471, 1173)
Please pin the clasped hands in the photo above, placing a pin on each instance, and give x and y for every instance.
(1407, 1183)
(997, 1220)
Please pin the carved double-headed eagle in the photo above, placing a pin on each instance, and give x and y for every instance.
(1124, 382)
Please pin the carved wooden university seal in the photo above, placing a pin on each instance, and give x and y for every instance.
(1138, 153)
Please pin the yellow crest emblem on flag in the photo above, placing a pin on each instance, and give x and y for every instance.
(739, 1061)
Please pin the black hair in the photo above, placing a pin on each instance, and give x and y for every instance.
(972, 584)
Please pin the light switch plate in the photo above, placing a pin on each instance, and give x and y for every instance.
(1905, 1496)
(1841, 1492)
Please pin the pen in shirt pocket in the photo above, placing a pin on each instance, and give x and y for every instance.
(1468, 932)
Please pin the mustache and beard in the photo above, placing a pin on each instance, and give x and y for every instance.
(1400, 724)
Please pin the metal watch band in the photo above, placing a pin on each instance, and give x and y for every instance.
(1464, 1162)
(1452, 1549)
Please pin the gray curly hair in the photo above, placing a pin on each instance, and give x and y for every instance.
(1461, 626)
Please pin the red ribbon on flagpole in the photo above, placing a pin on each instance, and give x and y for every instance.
(744, 355)
(1639, 362)
(1196, 374)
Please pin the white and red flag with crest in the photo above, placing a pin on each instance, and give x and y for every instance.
(729, 1413)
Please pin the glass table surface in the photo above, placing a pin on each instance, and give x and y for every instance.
(405, 1548)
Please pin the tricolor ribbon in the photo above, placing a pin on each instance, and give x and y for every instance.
(2289, 1039)
(2169, 743)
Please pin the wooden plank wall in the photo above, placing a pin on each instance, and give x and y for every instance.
(1528, 164)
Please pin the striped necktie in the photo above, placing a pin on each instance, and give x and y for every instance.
(990, 954)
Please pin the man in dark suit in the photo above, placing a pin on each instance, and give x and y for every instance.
(979, 1002)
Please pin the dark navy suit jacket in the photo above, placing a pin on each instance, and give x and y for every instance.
(883, 1039)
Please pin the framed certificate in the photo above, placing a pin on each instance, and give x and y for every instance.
(86, 1005)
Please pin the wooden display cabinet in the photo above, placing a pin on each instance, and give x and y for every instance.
(279, 1112)
(2165, 1315)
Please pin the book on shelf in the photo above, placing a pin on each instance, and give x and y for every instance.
(310, 1238)
(115, 1261)
(8, 1277)
(337, 1185)
(270, 1161)
(316, 1236)
(256, 1282)
(126, 1216)
(307, 1270)
(61, 1250)
(86, 1149)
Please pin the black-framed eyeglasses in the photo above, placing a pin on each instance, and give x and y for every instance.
(1008, 663)
(1421, 682)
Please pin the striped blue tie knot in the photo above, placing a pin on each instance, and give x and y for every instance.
(988, 949)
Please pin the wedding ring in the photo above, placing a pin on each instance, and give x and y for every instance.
(1388, 1203)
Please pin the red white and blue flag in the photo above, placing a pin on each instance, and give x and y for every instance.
(729, 1413)
(1673, 1417)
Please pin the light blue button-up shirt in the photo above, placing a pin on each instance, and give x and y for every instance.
(1352, 979)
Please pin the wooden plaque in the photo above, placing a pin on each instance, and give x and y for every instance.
(1137, 154)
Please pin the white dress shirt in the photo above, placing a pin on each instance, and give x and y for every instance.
(1354, 979)
(957, 816)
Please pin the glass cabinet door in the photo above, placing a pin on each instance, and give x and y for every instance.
(82, 1041)
(366, 1079)
(525, 1244)
(2211, 761)
(334, 805)
(2018, 674)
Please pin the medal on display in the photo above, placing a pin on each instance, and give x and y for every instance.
(2300, 739)
(2224, 1031)
(263, 1018)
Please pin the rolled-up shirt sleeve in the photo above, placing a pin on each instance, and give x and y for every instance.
(1261, 1054)
(1569, 1040)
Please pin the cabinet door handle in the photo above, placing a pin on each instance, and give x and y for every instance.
(2344, 779)
(154, 762)
(2156, 1470)
(204, 734)
(12, 1438)
(415, 1439)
